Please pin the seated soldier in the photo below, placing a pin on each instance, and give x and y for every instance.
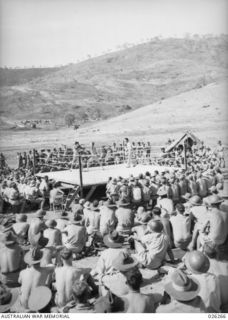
(197, 265)
(134, 301)
(11, 260)
(104, 267)
(181, 295)
(65, 276)
(21, 227)
(80, 293)
(7, 299)
(33, 276)
(152, 247)
(74, 235)
(52, 234)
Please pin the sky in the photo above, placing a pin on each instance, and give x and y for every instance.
(58, 32)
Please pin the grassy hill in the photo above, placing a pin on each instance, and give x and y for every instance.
(116, 83)
(11, 77)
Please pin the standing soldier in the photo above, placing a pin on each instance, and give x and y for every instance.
(128, 152)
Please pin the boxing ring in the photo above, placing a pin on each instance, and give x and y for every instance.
(99, 176)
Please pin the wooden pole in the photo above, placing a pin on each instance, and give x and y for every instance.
(34, 162)
(185, 157)
(80, 175)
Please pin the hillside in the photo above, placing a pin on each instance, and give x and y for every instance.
(118, 82)
(12, 77)
(203, 111)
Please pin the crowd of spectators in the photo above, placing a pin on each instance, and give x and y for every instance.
(139, 226)
(65, 158)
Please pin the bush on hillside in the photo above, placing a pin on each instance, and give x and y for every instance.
(69, 119)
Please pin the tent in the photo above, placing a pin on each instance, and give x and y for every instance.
(187, 136)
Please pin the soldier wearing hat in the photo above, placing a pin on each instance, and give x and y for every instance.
(62, 221)
(198, 264)
(53, 234)
(165, 203)
(153, 246)
(114, 243)
(75, 235)
(215, 228)
(224, 195)
(11, 258)
(107, 217)
(124, 216)
(33, 276)
(218, 267)
(7, 298)
(21, 227)
(198, 211)
(181, 295)
(92, 220)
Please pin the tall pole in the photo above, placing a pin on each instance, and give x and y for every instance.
(185, 157)
(34, 162)
(80, 174)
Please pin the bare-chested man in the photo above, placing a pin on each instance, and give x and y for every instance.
(33, 276)
(53, 235)
(36, 225)
(65, 276)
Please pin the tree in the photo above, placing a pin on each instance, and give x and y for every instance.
(69, 119)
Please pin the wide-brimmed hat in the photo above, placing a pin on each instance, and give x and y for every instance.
(7, 298)
(77, 219)
(8, 238)
(145, 219)
(162, 192)
(21, 217)
(187, 196)
(39, 298)
(181, 287)
(124, 262)
(33, 256)
(110, 204)
(40, 213)
(51, 223)
(213, 189)
(214, 199)
(197, 262)
(113, 240)
(195, 201)
(123, 203)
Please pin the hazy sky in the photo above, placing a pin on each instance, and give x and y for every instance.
(52, 32)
